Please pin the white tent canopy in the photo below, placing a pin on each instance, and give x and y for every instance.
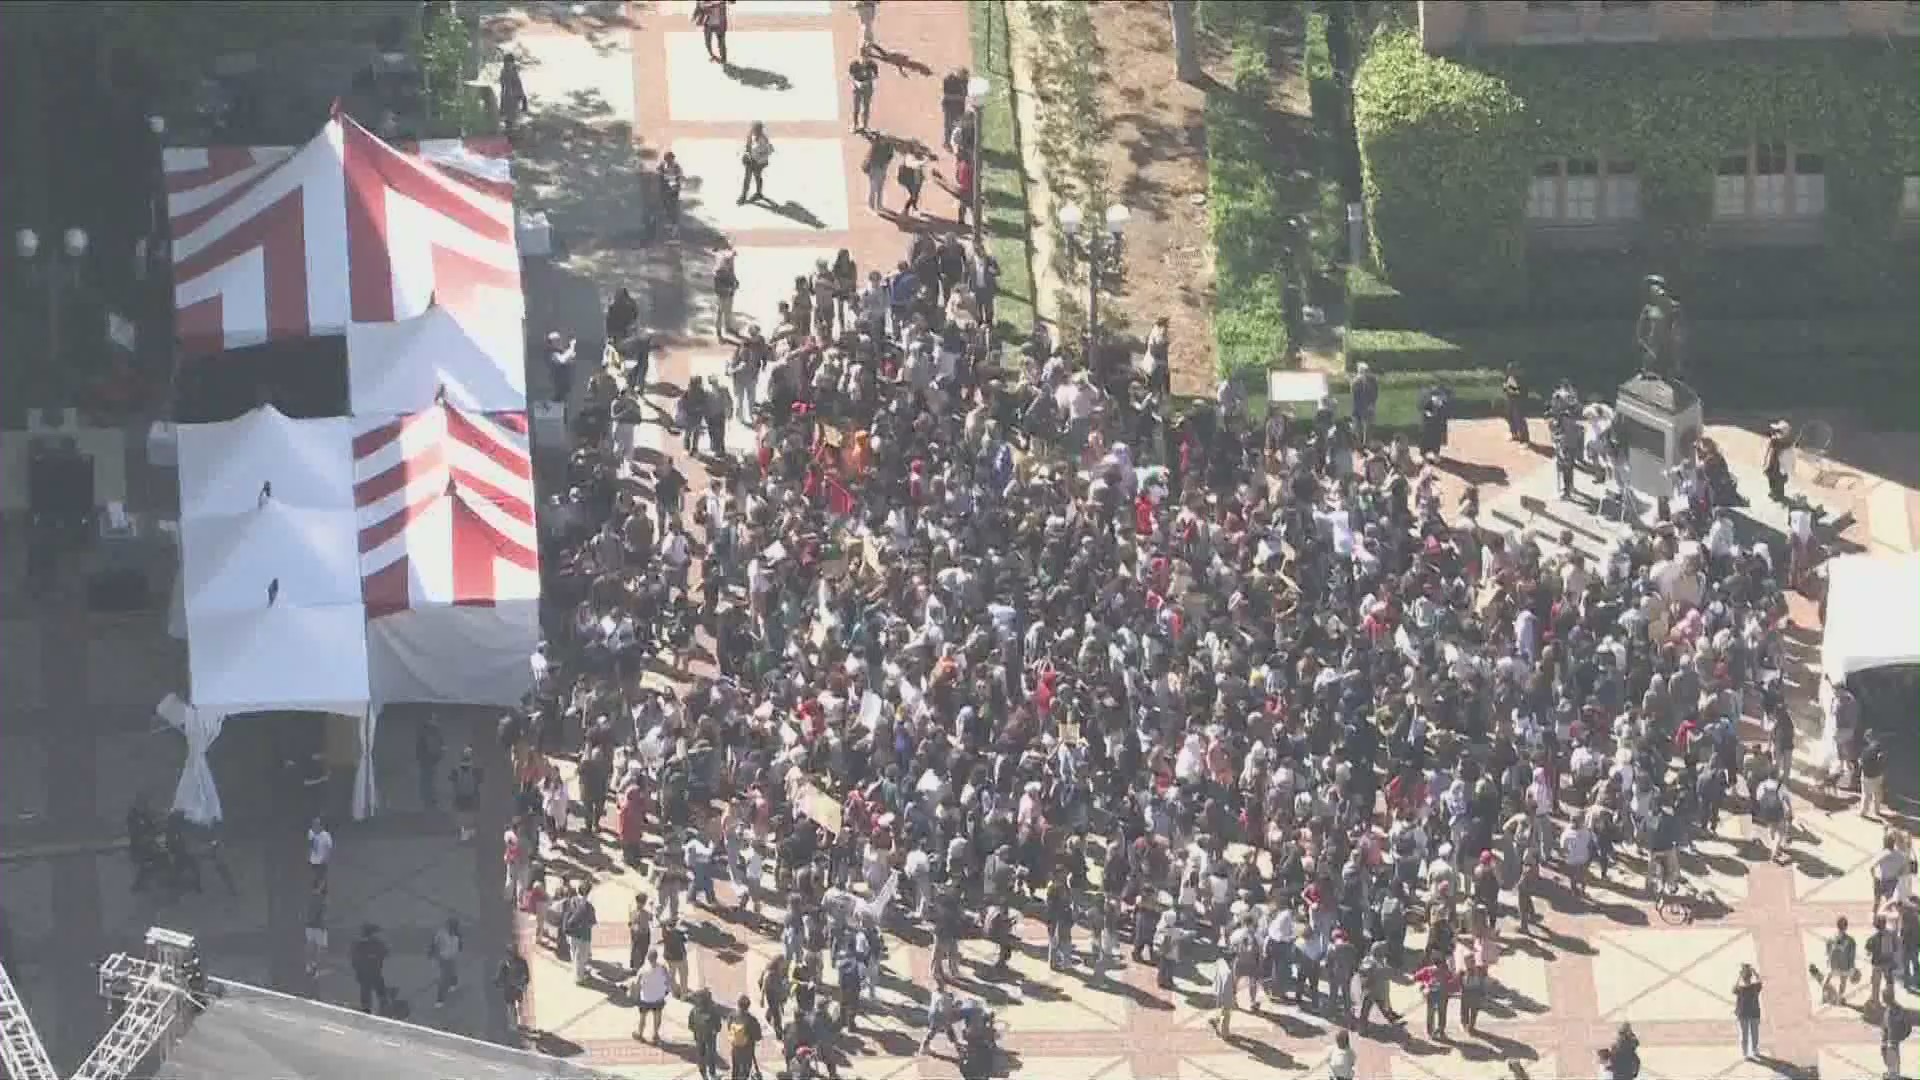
(472, 360)
(280, 658)
(1872, 620)
(225, 467)
(273, 554)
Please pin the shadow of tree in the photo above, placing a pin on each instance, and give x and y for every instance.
(603, 24)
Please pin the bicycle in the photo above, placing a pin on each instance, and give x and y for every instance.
(1813, 441)
(1680, 901)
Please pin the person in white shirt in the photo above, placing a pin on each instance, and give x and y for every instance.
(1340, 1060)
(1526, 634)
(319, 851)
(650, 991)
(1577, 845)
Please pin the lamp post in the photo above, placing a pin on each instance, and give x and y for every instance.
(56, 266)
(1095, 247)
(977, 89)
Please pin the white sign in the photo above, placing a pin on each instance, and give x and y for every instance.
(1296, 386)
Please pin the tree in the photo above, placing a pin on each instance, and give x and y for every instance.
(1186, 46)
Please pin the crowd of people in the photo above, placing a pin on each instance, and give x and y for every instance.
(998, 633)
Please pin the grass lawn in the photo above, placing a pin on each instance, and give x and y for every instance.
(1003, 192)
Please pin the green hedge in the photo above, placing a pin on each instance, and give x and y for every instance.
(1757, 363)
(1247, 180)
(1448, 145)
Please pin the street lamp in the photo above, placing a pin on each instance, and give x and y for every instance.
(1096, 248)
(977, 89)
(56, 266)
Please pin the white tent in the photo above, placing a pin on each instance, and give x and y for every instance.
(1872, 618)
(226, 467)
(272, 554)
(280, 659)
(454, 655)
(472, 360)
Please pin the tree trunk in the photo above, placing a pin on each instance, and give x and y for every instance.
(1186, 49)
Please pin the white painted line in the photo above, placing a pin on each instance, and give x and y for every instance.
(331, 1029)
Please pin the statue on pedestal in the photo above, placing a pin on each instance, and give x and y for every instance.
(1660, 334)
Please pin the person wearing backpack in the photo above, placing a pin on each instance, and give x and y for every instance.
(673, 945)
(1841, 951)
(703, 1025)
(743, 1036)
(1896, 1024)
(773, 994)
(1880, 956)
(576, 923)
(847, 971)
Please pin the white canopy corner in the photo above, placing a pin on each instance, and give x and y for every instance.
(226, 467)
(1873, 614)
(277, 658)
(472, 359)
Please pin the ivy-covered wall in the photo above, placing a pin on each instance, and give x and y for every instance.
(1448, 145)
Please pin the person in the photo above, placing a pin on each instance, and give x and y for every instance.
(560, 355)
(513, 93)
(1896, 1024)
(512, 978)
(316, 928)
(577, 920)
(1880, 946)
(864, 75)
(445, 953)
(1841, 952)
(1516, 401)
(1223, 1003)
(1473, 995)
(319, 852)
(368, 957)
(1366, 399)
(1624, 1055)
(429, 746)
(773, 996)
(953, 103)
(726, 283)
(913, 180)
(465, 779)
(743, 1037)
(703, 1027)
(1774, 463)
(754, 156)
(1873, 776)
(943, 1012)
(1437, 982)
(673, 949)
(878, 161)
(711, 17)
(673, 179)
(1341, 1061)
(867, 11)
(1566, 451)
(1746, 1010)
(651, 988)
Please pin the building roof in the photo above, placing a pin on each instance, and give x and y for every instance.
(248, 1033)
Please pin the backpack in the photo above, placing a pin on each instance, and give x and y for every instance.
(1840, 953)
(739, 1036)
(1767, 810)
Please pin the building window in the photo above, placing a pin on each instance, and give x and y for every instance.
(1818, 16)
(1910, 197)
(1553, 18)
(1583, 191)
(1770, 181)
(1742, 17)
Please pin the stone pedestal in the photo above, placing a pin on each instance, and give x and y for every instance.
(1659, 419)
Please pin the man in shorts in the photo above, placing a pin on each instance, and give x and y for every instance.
(651, 988)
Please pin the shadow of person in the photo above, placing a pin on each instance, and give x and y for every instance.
(899, 60)
(793, 211)
(758, 78)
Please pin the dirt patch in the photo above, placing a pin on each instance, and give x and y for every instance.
(1158, 161)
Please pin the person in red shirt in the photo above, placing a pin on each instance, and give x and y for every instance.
(963, 189)
(1438, 982)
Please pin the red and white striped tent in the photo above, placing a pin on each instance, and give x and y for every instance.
(409, 254)
(449, 554)
(278, 243)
